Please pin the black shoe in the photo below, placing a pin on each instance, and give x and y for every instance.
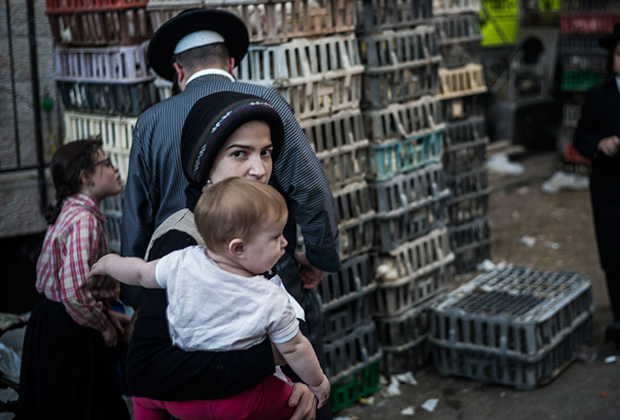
(612, 333)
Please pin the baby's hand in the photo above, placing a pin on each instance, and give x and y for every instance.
(321, 392)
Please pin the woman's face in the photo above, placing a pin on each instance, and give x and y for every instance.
(617, 59)
(246, 154)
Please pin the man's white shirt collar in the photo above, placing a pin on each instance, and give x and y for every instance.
(204, 72)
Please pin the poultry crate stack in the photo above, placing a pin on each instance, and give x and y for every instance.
(461, 87)
(410, 256)
(103, 79)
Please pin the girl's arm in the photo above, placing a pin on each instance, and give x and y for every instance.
(129, 270)
(300, 356)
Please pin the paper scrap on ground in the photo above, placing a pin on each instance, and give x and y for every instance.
(501, 165)
(430, 404)
(564, 181)
(528, 241)
(406, 378)
(611, 359)
(409, 411)
(393, 388)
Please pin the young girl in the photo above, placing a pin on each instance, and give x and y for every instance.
(68, 369)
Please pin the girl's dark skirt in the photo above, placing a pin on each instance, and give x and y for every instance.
(67, 372)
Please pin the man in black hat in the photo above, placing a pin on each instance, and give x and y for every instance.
(597, 137)
(198, 50)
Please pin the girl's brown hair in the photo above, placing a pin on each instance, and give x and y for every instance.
(67, 165)
(235, 208)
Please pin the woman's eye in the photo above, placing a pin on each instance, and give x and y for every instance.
(238, 153)
(266, 152)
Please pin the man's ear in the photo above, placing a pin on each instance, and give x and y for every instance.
(231, 65)
(180, 75)
(236, 247)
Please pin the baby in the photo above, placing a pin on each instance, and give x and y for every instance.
(218, 298)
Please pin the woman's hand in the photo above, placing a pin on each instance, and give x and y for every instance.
(310, 275)
(304, 402)
(609, 145)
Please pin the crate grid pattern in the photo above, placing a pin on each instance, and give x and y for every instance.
(514, 326)
(460, 93)
(270, 21)
(465, 145)
(378, 16)
(104, 25)
(470, 196)
(413, 273)
(404, 340)
(459, 39)
(400, 66)
(408, 206)
(455, 7)
(316, 76)
(340, 143)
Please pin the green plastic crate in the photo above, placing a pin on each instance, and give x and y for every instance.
(497, 18)
(359, 383)
(579, 81)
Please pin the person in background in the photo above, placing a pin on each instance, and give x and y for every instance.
(226, 134)
(68, 361)
(597, 137)
(220, 300)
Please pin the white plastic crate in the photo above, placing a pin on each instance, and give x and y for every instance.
(413, 273)
(340, 143)
(400, 66)
(377, 16)
(403, 120)
(116, 133)
(107, 64)
(112, 209)
(270, 21)
(514, 326)
(409, 206)
(455, 7)
(465, 145)
(461, 81)
(317, 77)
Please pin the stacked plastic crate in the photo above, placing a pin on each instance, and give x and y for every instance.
(411, 257)
(461, 86)
(308, 52)
(582, 24)
(513, 326)
(103, 78)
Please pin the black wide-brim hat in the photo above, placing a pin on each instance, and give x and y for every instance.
(609, 42)
(210, 123)
(164, 40)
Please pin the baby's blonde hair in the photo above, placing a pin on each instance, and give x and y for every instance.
(235, 208)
